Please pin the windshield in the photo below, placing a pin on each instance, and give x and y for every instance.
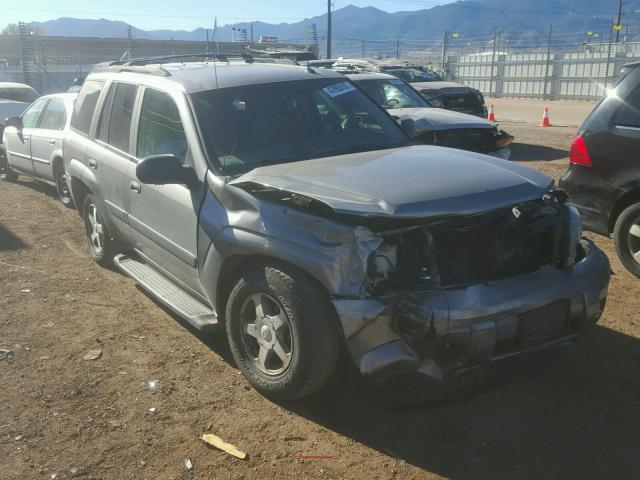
(413, 75)
(18, 94)
(393, 93)
(256, 125)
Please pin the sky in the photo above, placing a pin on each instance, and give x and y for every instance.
(188, 14)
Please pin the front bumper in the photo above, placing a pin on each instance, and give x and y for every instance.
(442, 333)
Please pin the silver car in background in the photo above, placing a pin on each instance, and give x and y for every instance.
(33, 143)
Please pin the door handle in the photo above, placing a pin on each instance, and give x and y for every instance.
(52, 142)
(93, 164)
(135, 186)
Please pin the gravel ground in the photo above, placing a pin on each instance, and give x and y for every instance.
(565, 414)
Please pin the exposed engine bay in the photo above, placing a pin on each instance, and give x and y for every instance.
(486, 247)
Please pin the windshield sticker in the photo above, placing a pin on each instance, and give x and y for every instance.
(339, 89)
(396, 81)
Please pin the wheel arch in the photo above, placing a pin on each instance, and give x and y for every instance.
(79, 191)
(233, 266)
(626, 200)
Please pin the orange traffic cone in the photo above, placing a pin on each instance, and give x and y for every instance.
(492, 114)
(545, 118)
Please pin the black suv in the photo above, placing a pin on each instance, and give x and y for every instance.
(603, 179)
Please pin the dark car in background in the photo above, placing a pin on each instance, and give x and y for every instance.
(434, 126)
(603, 178)
(436, 91)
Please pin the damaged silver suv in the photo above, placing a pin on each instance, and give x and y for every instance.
(282, 203)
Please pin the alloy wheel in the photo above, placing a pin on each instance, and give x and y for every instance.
(266, 333)
(95, 229)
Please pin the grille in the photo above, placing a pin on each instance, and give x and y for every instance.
(474, 254)
(476, 140)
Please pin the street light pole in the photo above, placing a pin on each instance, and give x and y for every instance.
(329, 28)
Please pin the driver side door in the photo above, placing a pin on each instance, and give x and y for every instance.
(164, 218)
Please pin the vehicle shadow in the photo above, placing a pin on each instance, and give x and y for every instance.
(566, 413)
(559, 414)
(37, 186)
(525, 152)
(9, 241)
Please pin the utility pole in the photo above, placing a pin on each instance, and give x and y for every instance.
(130, 41)
(251, 27)
(363, 48)
(443, 63)
(619, 20)
(397, 48)
(329, 28)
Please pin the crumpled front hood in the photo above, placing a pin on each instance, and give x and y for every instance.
(411, 182)
(440, 119)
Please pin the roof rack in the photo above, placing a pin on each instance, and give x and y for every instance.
(223, 57)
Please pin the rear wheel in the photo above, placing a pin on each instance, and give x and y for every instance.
(281, 332)
(6, 173)
(64, 194)
(626, 237)
(100, 245)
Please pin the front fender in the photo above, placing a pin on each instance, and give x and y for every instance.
(233, 223)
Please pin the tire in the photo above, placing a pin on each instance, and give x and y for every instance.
(626, 238)
(64, 194)
(297, 322)
(6, 173)
(100, 243)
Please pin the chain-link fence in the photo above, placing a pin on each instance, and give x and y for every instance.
(530, 64)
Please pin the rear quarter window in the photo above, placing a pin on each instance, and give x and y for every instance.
(628, 114)
(85, 105)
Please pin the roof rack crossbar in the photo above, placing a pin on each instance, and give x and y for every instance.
(223, 57)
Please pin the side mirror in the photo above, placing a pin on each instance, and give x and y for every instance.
(14, 122)
(164, 169)
(408, 126)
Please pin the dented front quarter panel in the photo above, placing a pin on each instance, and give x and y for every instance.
(239, 224)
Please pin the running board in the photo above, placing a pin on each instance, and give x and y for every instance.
(201, 316)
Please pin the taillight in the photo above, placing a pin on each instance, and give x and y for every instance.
(579, 153)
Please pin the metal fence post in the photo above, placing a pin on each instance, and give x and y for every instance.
(493, 61)
(547, 64)
(606, 75)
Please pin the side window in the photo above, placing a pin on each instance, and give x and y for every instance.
(160, 130)
(628, 114)
(102, 132)
(53, 116)
(120, 117)
(31, 115)
(85, 105)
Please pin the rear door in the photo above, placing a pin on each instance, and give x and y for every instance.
(164, 218)
(18, 144)
(109, 156)
(47, 138)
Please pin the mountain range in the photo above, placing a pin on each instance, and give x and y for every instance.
(472, 20)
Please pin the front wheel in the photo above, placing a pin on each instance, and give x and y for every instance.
(100, 244)
(282, 332)
(6, 173)
(626, 237)
(64, 194)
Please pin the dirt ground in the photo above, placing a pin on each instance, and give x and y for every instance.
(570, 414)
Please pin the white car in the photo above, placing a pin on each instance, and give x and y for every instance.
(33, 143)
